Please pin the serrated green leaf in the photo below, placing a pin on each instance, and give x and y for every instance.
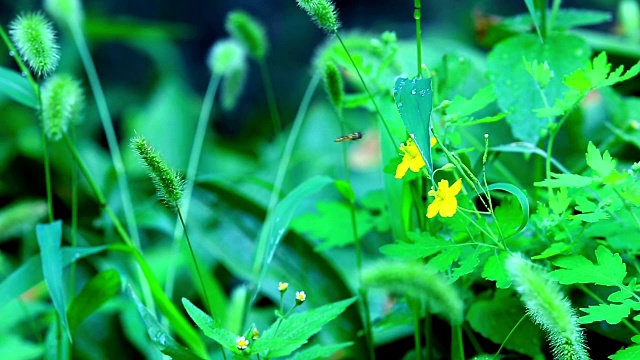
(49, 239)
(558, 248)
(496, 317)
(17, 88)
(93, 295)
(414, 99)
(494, 270)
(565, 180)
(602, 165)
(608, 271)
(319, 351)
(467, 264)
(630, 353)
(282, 338)
(462, 106)
(210, 327)
(159, 336)
(516, 90)
(424, 246)
(445, 259)
(611, 313)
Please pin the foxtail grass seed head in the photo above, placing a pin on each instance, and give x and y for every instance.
(226, 55)
(548, 307)
(333, 84)
(34, 37)
(169, 184)
(249, 32)
(65, 11)
(62, 103)
(413, 279)
(323, 13)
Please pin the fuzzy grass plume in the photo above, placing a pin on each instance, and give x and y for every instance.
(62, 102)
(333, 84)
(323, 13)
(548, 307)
(416, 280)
(169, 184)
(225, 56)
(248, 31)
(35, 39)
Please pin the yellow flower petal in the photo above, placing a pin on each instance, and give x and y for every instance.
(434, 208)
(448, 207)
(401, 170)
(433, 141)
(455, 188)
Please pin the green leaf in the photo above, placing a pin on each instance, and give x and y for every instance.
(282, 338)
(462, 107)
(414, 99)
(608, 271)
(21, 216)
(319, 351)
(49, 239)
(277, 223)
(603, 164)
(516, 90)
(17, 88)
(630, 353)
(425, 245)
(15, 346)
(159, 336)
(29, 274)
(570, 18)
(611, 313)
(495, 318)
(565, 180)
(467, 264)
(558, 248)
(333, 224)
(93, 295)
(210, 327)
(344, 188)
(494, 270)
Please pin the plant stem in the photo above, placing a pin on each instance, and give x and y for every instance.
(414, 305)
(47, 174)
(107, 125)
(417, 14)
(271, 99)
(195, 262)
(192, 169)
(366, 88)
(509, 335)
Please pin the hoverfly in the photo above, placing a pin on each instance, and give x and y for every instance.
(353, 136)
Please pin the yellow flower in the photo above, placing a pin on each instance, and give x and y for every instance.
(283, 286)
(255, 334)
(411, 158)
(445, 202)
(242, 343)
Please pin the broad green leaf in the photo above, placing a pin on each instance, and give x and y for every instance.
(467, 264)
(319, 351)
(49, 239)
(277, 222)
(29, 274)
(603, 164)
(608, 271)
(515, 89)
(159, 336)
(15, 346)
(462, 107)
(100, 289)
(15, 86)
(630, 353)
(414, 99)
(565, 180)
(611, 313)
(210, 327)
(495, 318)
(21, 216)
(424, 246)
(445, 259)
(494, 270)
(294, 331)
(332, 224)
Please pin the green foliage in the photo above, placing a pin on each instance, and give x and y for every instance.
(99, 290)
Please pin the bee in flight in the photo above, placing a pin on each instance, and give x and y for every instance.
(353, 136)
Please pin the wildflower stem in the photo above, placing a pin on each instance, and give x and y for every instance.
(74, 213)
(496, 356)
(47, 174)
(414, 305)
(192, 169)
(457, 345)
(271, 99)
(366, 88)
(417, 14)
(107, 125)
(627, 206)
(193, 257)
